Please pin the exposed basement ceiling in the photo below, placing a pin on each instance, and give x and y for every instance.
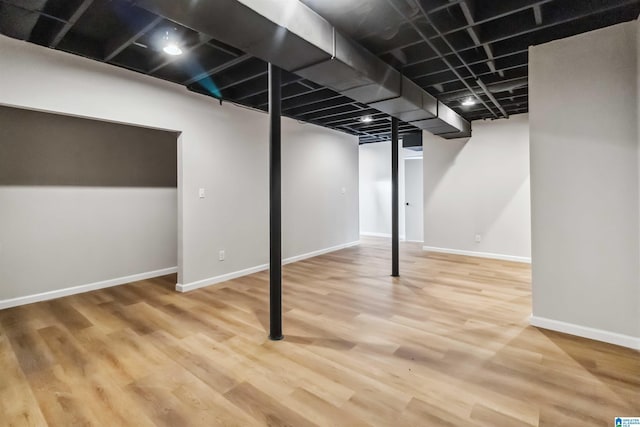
(453, 49)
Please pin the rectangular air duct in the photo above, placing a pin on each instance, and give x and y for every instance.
(292, 36)
(412, 141)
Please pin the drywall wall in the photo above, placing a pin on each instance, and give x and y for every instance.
(584, 184)
(58, 237)
(479, 187)
(320, 201)
(375, 188)
(221, 148)
(83, 201)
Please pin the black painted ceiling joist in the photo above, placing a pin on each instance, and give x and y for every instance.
(486, 40)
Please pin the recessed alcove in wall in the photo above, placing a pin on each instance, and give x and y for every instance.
(83, 202)
(44, 149)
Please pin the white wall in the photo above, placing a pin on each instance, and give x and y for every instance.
(83, 201)
(584, 182)
(479, 186)
(223, 149)
(59, 237)
(375, 188)
(320, 198)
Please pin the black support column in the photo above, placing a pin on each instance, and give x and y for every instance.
(395, 224)
(275, 200)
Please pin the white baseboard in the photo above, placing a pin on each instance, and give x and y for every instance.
(319, 252)
(186, 287)
(586, 332)
(478, 254)
(372, 234)
(28, 299)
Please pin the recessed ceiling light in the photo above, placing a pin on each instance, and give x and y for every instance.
(170, 44)
(467, 102)
(172, 49)
(366, 119)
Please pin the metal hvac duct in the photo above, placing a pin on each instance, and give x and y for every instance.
(297, 39)
(448, 124)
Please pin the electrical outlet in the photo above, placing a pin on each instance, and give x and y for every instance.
(478, 238)
(221, 255)
(201, 193)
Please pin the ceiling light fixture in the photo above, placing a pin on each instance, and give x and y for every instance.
(366, 119)
(170, 46)
(172, 49)
(467, 102)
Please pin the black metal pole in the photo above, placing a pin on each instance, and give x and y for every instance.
(275, 214)
(395, 225)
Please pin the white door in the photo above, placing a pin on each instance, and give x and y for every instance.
(413, 199)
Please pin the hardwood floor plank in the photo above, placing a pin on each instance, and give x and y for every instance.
(266, 410)
(196, 362)
(18, 405)
(321, 412)
(448, 343)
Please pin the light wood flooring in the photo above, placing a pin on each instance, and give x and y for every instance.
(447, 344)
